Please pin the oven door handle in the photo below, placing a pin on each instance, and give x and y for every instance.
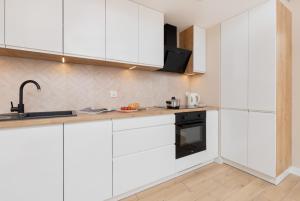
(189, 125)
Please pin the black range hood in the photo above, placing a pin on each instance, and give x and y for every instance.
(175, 59)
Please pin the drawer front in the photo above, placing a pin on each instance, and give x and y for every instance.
(137, 140)
(142, 122)
(136, 170)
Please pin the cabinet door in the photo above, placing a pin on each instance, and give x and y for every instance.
(262, 143)
(1, 23)
(199, 52)
(234, 62)
(212, 134)
(31, 164)
(34, 24)
(88, 161)
(137, 140)
(151, 37)
(122, 31)
(234, 125)
(84, 28)
(137, 170)
(262, 71)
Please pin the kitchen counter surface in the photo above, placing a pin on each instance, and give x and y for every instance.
(93, 117)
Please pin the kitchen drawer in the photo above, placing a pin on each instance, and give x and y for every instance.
(142, 122)
(137, 140)
(137, 170)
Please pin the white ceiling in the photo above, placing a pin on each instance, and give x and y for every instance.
(204, 13)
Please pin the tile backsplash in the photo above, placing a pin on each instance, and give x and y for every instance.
(71, 87)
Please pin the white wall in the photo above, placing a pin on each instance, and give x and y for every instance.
(295, 7)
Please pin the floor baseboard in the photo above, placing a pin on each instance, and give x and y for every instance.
(295, 171)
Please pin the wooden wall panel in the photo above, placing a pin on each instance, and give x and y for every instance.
(186, 41)
(284, 88)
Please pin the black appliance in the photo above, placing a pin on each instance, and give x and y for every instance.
(175, 59)
(190, 133)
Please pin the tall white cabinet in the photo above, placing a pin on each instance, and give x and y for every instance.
(262, 58)
(34, 25)
(84, 28)
(256, 89)
(151, 37)
(31, 163)
(122, 31)
(2, 23)
(88, 161)
(234, 62)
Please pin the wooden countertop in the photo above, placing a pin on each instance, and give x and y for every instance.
(92, 117)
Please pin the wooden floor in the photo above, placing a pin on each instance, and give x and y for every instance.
(217, 182)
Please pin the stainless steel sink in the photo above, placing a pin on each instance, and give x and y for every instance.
(36, 115)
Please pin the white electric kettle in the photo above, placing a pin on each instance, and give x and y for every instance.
(193, 99)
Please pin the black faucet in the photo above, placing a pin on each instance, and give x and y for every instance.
(20, 108)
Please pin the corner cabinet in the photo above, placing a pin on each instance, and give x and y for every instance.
(257, 80)
(151, 37)
(31, 161)
(84, 28)
(2, 17)
(88, 161)
(34, 25)
(122, 31)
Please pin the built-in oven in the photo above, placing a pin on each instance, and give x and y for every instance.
(190, 133)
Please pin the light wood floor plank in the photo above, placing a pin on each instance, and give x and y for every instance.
(217, 182)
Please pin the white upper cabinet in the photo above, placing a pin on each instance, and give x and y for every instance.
(88, 161)
(84, 28)
(122, 31)
(199, 50)
(151, 37)
(262, 70)
(34, 25)
(234, 131)
(234, 62)
(31, 163)
(262, 143)
(194, 39)
(1, 23)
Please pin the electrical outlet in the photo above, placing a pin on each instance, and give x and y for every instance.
(113, 94)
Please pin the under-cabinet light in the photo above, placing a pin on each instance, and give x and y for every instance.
(133, 67)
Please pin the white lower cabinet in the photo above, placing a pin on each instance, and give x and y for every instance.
(136, 140)
(212, 134)
(249, 139)
(88, 161)
(140, 169)
(234, 126)
(262, 143)
(31, 163)
(144, 151)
